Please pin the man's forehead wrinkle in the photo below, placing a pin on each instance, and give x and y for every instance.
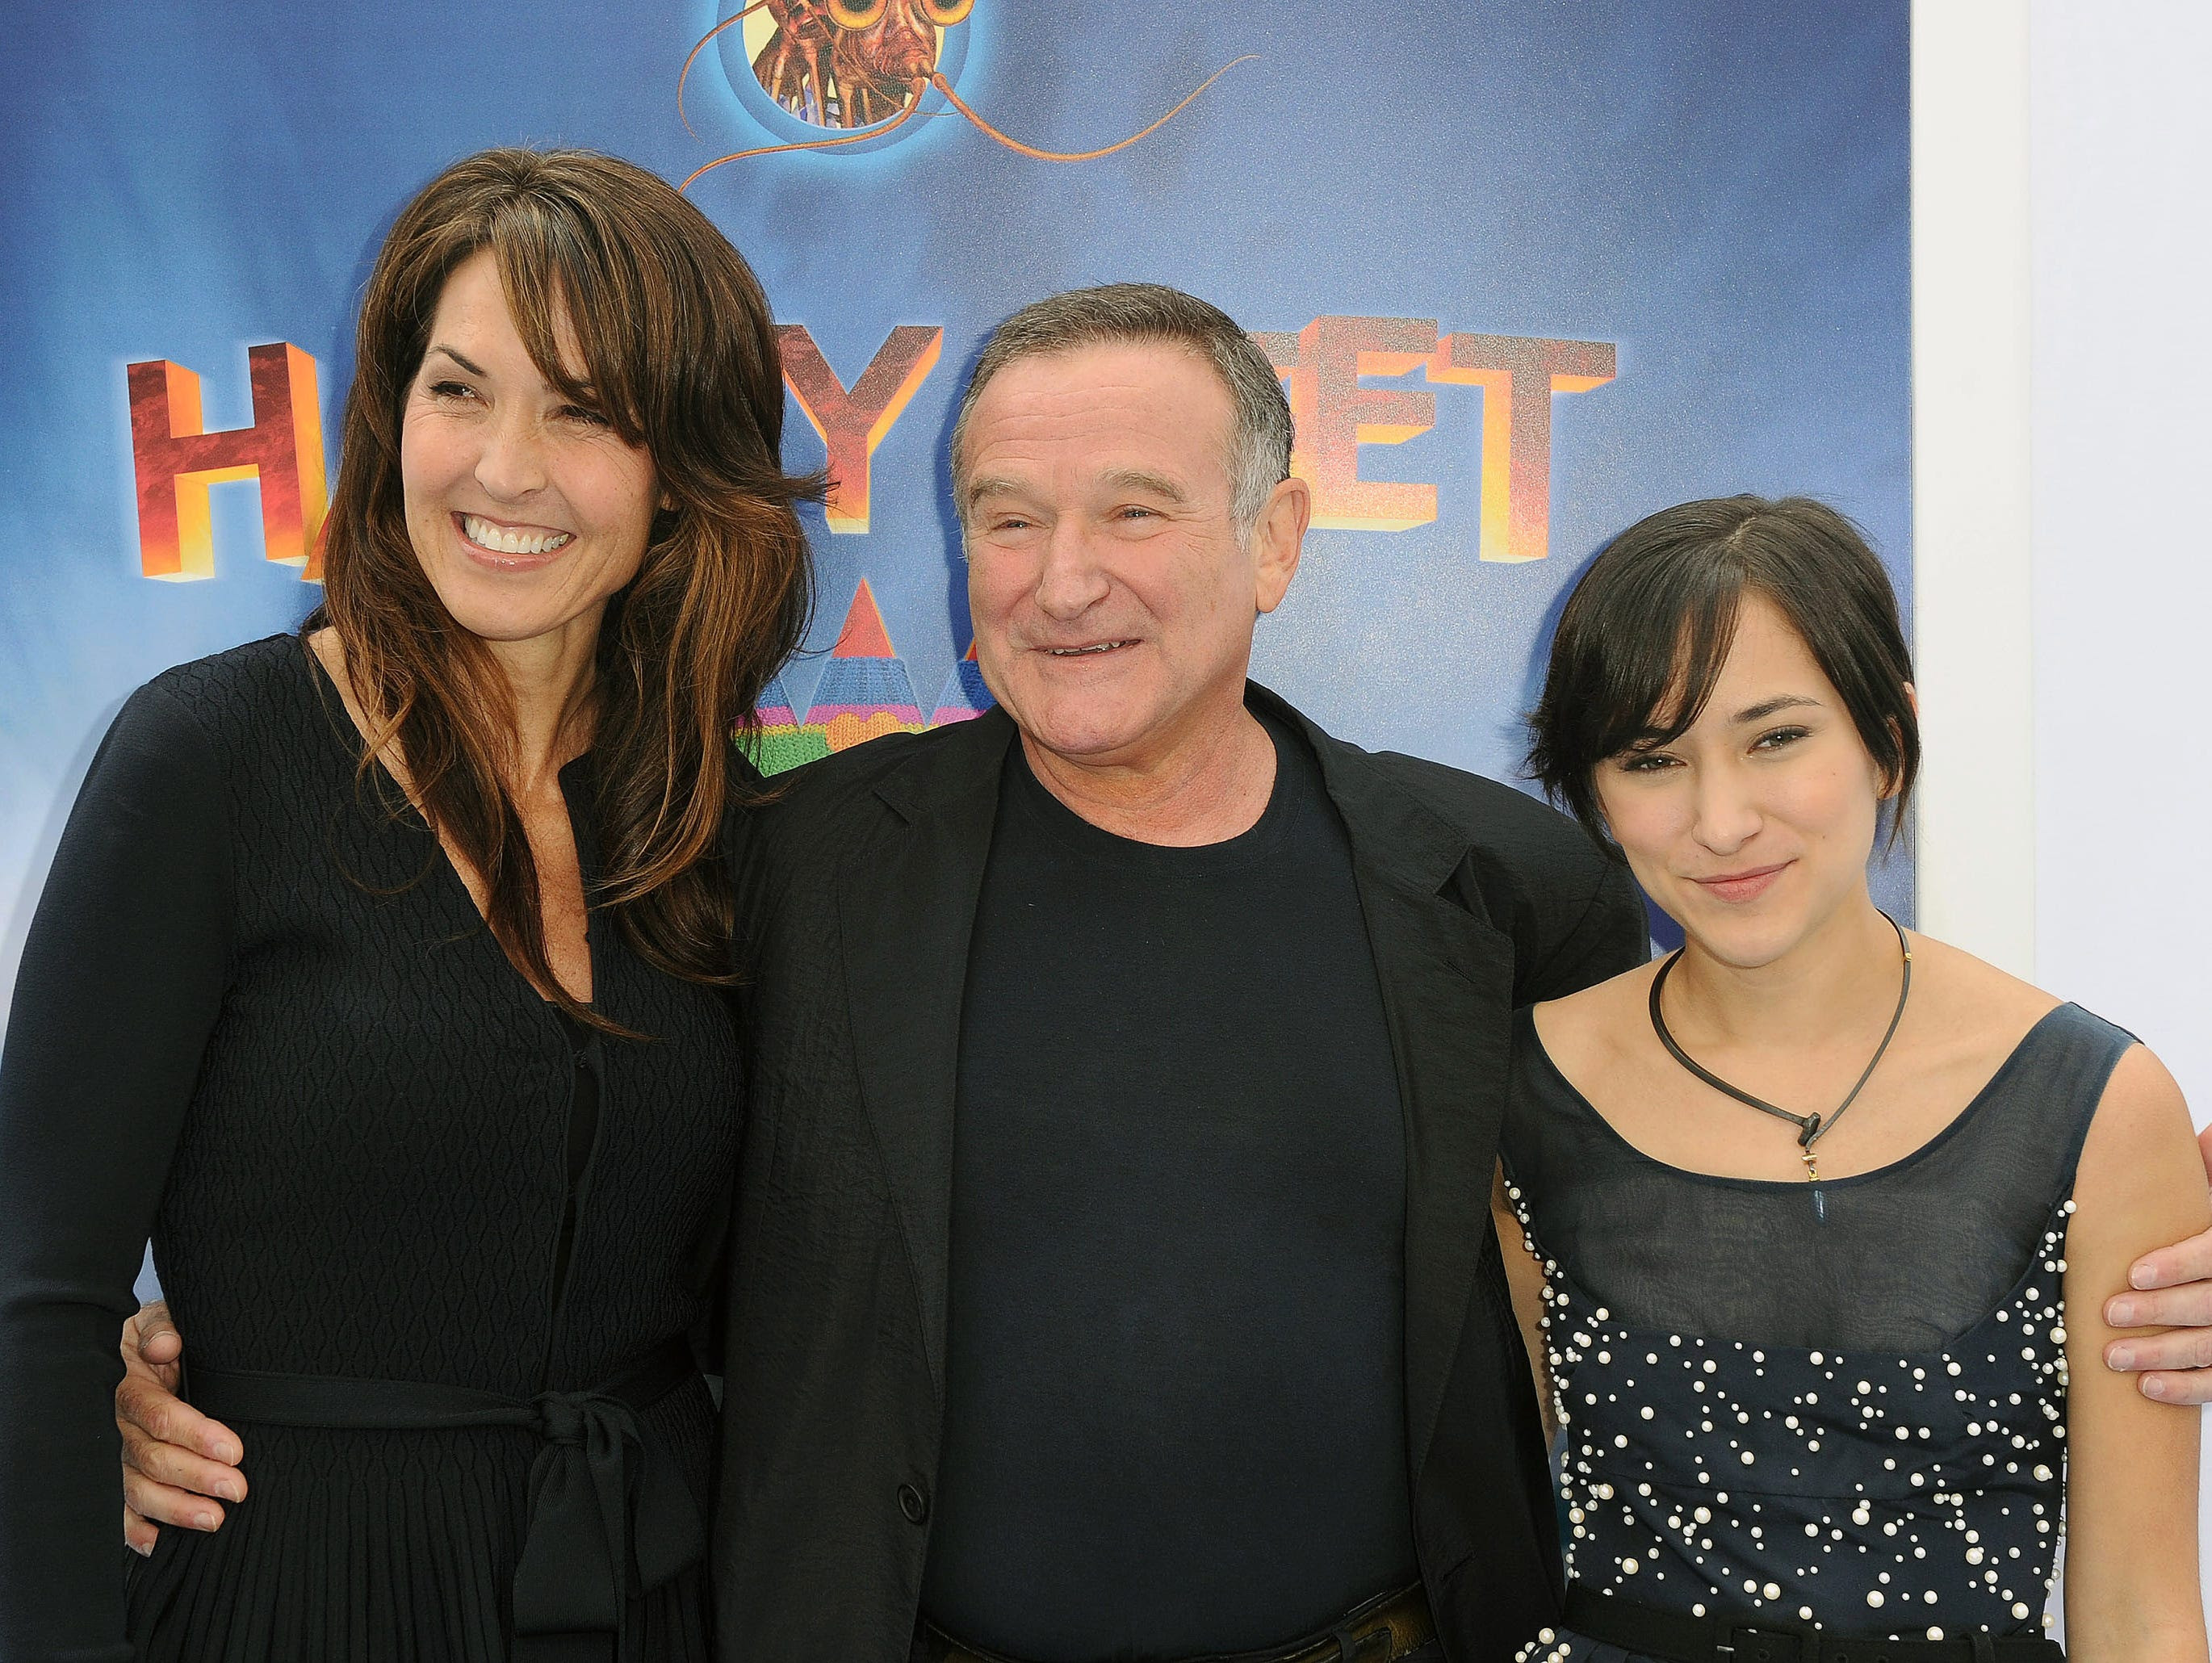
(1079, 427)
(1012, 474)
(1115, 451)
(1145, 374)
(1056, 410)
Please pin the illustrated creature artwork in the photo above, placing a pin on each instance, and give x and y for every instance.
(835, 64)
(861, 69)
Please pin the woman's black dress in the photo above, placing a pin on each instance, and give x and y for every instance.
(1790, 1406)
(259, 1017)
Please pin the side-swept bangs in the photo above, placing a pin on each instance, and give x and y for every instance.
(667, 327)
(1646, 631)
(631, 302)
(555, 273)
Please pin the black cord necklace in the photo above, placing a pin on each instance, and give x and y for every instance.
(1811, 1128)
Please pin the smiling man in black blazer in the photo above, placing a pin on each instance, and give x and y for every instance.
(1112, 1272)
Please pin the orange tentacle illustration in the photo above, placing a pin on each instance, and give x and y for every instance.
(809, 144)
(734, 17)
(946, 87)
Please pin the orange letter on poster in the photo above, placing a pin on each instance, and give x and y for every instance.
(852, 422)
(1334, 415)
(176, 459)
(1518, 374)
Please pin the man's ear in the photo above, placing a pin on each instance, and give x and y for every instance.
(1278, 541)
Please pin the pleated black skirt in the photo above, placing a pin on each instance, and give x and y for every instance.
(390, 1547)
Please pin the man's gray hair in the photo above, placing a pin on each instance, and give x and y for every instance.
(1259, 438)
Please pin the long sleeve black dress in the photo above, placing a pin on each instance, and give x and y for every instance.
(259, 1017)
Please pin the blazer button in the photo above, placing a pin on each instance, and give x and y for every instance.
(913, 1503)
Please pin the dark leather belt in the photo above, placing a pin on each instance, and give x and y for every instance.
(607, 1504)
(1387, 1627)
(1739, 1637)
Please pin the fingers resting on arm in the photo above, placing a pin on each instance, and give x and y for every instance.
(2169, 1289)
(178, 1465)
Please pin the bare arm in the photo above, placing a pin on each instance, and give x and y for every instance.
(2131, 1552)
(1525, 1277)
(174, 1458)
(2176, 1294)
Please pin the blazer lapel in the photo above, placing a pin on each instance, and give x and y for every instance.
(1447, 983)
(907, 910)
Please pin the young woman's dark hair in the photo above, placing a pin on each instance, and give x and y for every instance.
(1647, 629)
(676, 348)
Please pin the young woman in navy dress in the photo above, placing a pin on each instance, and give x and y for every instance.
(1820, 1209)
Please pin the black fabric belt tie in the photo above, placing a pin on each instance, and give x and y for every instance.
(1742, 1637)
(609, 1511)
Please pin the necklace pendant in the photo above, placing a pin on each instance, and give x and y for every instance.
(1809, 1127)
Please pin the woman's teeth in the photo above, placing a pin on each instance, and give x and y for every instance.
(500, 540)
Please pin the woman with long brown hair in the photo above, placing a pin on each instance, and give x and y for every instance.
(378, 979)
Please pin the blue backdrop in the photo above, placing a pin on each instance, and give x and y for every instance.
(1711, 198)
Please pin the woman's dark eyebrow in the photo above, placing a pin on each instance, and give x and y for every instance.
(584, 390)
(471, 369)
(1765, 707)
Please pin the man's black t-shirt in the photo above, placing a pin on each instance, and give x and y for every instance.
(1175, 1414)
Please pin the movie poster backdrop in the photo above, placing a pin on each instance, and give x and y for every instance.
(1529, 271)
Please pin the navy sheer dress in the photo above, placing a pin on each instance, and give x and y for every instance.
(1844, 1412)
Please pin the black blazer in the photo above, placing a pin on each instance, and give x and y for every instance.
(856, 895)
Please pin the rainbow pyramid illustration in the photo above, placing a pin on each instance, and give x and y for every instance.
(863, 691)
(964, 697)
(775, 709)
(779, 741)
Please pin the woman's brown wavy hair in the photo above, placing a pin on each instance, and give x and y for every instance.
(676, 347)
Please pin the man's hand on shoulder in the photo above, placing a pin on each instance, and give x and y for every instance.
(175, 1459)
(2171, 1289)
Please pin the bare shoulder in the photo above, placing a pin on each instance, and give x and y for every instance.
(1970, 996)
(2140, 1160)
(1583, 1033)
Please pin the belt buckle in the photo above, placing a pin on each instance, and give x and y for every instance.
(1374, 1646)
